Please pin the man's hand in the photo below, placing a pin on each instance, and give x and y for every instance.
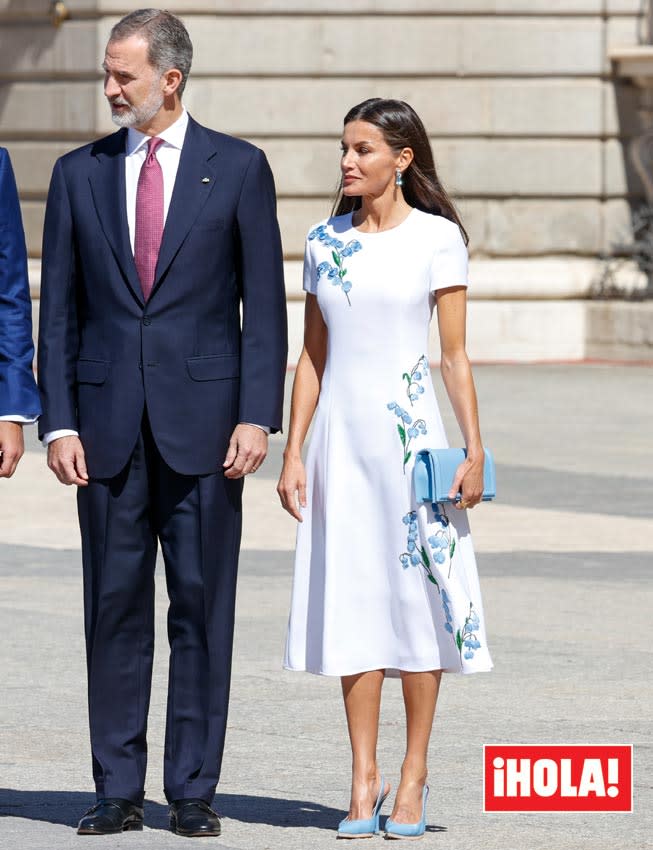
(248, 447)
(66, 459)
(11, 447)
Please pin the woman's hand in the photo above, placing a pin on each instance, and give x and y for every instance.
(292, 486)
(469, 481)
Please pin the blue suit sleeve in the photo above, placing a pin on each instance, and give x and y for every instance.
(58, 329)
(18, 393)
(264, 339)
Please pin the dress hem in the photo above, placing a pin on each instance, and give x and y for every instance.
(390, 671)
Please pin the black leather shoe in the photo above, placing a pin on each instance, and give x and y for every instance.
(109, 816)
(193, 818)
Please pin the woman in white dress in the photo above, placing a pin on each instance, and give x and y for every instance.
(383, 587)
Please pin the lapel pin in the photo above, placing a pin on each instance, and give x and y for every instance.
(206, 179)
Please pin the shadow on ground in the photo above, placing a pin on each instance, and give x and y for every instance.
(289, 813)
(67, 807)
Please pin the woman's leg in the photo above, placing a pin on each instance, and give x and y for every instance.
(420, 695)
(362, 695)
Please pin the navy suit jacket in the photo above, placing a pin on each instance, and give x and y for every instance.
(18, 393)
(105, 355)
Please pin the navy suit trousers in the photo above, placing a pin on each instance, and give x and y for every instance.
(197, 521)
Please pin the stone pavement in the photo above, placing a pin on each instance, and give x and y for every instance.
(565, 557)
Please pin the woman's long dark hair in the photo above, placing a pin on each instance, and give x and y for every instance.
(402, 128)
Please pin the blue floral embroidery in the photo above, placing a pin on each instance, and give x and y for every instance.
(407, 435)
(413, 390)
(415, 554)
(447, 611)
(465, 637)
(468, 637)
(419, 371)
(443, 543)
(336, 274)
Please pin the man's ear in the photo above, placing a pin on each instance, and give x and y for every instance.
(171, 81)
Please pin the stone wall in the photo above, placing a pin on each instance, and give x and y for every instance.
(527, 123)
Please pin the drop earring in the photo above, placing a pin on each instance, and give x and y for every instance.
(399, 178)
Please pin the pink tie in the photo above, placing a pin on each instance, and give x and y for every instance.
(149, 217)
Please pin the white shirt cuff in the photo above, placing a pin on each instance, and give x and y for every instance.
(54, 435)
(262, 427)
(19, 418)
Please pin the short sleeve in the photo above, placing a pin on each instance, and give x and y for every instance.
(310, 272)
(449, 263)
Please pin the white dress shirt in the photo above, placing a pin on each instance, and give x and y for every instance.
(168, 155)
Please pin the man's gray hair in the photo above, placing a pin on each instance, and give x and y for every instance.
(168, 43)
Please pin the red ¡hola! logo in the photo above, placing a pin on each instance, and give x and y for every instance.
(557, 778)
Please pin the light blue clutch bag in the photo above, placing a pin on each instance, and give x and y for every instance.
(435, 470)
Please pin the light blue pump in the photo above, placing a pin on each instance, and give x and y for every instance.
(366, 827)
(409, 830)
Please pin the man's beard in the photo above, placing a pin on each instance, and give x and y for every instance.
(137, 116)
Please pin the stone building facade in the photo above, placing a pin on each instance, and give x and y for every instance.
(527, 121)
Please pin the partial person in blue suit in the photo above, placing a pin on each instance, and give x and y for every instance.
(19, 397)
(157, 401)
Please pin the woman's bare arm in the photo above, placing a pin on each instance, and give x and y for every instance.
(459, 382)
(305, 394)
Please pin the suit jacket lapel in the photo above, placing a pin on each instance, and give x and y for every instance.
(109, 196)
(189, 195)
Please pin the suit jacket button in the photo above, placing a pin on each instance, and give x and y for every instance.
(147, 320)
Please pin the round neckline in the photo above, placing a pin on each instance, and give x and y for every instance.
(379, 232)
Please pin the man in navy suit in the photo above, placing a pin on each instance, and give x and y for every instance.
(157, 401)
(19, 398)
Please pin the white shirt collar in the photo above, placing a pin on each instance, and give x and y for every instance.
(174, 135)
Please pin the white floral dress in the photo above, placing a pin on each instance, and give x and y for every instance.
(381, 583)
